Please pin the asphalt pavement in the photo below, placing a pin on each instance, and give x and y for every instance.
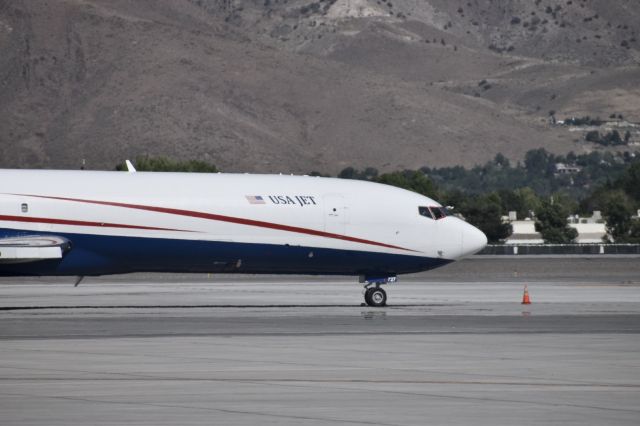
(454, 346)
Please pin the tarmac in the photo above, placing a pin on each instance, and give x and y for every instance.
(454, 347)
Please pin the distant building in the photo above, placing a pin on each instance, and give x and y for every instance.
(590, 229)
(524, 232)
(566, 169)
(621, 123)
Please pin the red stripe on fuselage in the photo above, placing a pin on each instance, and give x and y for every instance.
(29, 219)
(222, 218)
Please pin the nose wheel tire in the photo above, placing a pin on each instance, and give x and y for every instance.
(376, 297)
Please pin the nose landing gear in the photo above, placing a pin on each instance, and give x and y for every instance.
(374, 295)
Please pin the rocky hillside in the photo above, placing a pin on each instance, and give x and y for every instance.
(301, 85)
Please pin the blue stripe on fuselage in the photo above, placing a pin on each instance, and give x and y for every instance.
(102, 255)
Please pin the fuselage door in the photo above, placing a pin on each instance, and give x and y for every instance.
(335, 215)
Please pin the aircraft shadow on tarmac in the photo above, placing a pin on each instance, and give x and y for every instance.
(61, 307)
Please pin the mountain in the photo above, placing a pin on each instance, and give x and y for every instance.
(293, 85)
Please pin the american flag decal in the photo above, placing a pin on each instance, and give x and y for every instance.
(255, 199)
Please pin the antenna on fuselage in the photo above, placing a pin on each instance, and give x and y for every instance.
(130, 167)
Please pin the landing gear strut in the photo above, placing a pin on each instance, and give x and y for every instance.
(374, 295)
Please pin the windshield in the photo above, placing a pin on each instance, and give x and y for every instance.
(433, 212)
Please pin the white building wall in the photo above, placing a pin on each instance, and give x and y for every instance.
(524, 232)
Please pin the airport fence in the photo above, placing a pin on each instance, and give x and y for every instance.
(560, 249)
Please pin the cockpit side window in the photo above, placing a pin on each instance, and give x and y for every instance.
(424, 211)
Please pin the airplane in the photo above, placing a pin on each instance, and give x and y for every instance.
(90, 223)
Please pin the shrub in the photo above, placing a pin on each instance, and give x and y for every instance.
(163, 164)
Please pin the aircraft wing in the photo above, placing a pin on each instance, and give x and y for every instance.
(32, 248)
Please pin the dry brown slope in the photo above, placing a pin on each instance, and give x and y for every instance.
(104, 80)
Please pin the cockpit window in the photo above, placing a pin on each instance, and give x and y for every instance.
(424, 211)
(434, 212)
(438, 212)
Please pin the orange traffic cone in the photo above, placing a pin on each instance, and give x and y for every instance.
(525, 297)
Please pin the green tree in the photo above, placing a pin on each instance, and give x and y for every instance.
(634, 232)
(501, 160)
(567, 203)
(614, 138)
(551, 222)
(593, 136)
(163, 164)
(456, 199)
(485, 212)
(617, 210)
(370, 173)
(412, 180)
(630, 181)
(347, 173)
(539, 162)
(596, 200)
(522, 200)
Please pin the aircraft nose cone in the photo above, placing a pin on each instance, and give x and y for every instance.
(473, 240)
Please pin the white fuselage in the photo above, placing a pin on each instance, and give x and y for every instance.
(123, 222)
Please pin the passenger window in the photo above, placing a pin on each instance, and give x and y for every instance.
(24, 208)
(438, 213)
(424, 211)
